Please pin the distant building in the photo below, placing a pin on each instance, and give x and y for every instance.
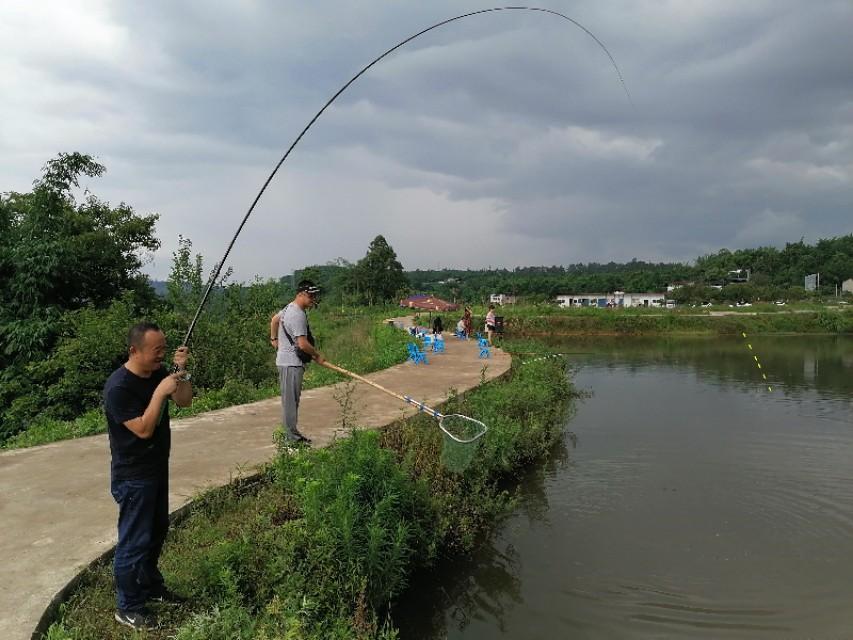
(648, 299)
(615, 299)
(812, 281)
(428, 303)
(739, 275)
(847, 286)
(678, 285)
(583, 299)
(502, 298)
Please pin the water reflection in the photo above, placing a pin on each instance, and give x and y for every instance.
(485, 586)
(696, 504)
(794, 363)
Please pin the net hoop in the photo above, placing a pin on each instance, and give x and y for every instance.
(482, 428)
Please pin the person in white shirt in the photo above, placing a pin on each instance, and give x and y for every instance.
(490, 323)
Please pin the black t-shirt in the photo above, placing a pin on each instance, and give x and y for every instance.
(126, 396)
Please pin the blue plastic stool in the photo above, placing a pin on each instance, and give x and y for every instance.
(415, 354)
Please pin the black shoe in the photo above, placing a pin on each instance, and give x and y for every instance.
(164, 594)
(139, 620)
(300, 439)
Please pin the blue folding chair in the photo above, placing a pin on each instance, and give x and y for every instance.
(484, 348)
(415, 354)
(438, 346)
(460, 334)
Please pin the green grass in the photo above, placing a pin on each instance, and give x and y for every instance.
(582, 321)
(357, 341)
(321, 544)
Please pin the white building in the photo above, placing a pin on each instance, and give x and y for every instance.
(502, 298)
(847, 285)
(615, 299)
(585, 299)
(648, 299)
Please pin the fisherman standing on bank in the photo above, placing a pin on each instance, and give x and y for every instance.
(136, 398)
(291, 336)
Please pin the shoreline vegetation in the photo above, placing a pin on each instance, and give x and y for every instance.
(606, 322)
(322, 543)
(547, 320)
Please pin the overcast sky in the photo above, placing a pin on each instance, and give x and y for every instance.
(503, 139)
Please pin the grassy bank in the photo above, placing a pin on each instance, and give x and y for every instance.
(358, 341)
(661, 322)
(321, 544)
(548, 319)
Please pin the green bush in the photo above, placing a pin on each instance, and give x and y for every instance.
(62, 399)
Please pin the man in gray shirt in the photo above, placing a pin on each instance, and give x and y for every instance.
(291, 336)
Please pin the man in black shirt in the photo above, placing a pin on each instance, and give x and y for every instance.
(136, 398)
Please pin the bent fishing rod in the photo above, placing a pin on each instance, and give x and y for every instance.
(211, 283)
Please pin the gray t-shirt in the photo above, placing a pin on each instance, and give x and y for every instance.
(296, 322)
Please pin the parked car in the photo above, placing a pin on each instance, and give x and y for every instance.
(781, 303)
(705, 305)
(744, 304)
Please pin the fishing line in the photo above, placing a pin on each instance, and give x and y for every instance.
(557, 14)
(757, 361)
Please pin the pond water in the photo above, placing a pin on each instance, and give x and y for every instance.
(686, 501)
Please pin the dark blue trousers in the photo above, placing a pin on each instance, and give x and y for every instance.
(143, 521)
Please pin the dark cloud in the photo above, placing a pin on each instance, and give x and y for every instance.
(504, 139)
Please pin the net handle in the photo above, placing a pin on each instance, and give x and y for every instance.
(408, 400)
(420, 405)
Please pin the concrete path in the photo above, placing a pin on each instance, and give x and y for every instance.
(56, 512)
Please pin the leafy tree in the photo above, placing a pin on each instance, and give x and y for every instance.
(69, 381)
(312, 273)
(378, 276)
(57, 255)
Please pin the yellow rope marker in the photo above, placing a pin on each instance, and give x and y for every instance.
(757, 363)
